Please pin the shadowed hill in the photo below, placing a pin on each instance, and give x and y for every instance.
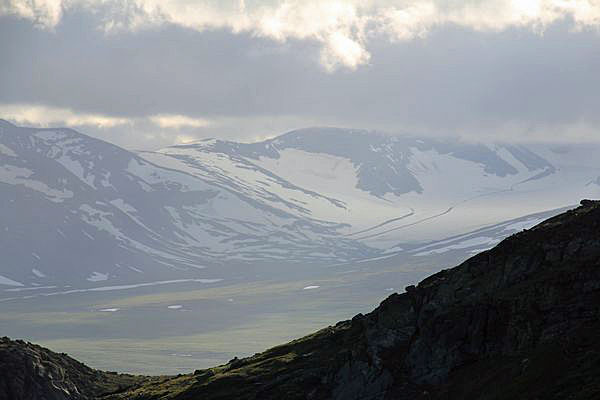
(517, 321)
(28, 371)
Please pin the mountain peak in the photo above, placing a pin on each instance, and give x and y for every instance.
(328, 132)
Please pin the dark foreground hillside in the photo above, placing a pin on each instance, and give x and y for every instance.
(31, 372)
(520, 321)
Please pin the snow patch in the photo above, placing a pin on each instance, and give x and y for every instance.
(477, 251)
(9, 282)
(21, 176)
(465, 244)
(30, 288)
(123, 206)
(51, 135)
(75, 167)
(38, 273)
(97, 277)
(7, 151)
(526, 224)
(100, 220)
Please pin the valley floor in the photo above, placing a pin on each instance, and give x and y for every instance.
(179, 327)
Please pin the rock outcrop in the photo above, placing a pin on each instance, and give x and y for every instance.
(31, 372)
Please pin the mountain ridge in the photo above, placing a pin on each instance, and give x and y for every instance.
(313, 196)
(316, 139)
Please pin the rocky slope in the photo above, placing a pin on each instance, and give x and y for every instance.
(31, 372)
(517, 321)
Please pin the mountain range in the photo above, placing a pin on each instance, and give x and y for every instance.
(79, 211)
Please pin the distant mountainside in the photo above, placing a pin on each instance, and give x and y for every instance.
(518, 321)
(75, 208)
(78, 211)
(386, 190)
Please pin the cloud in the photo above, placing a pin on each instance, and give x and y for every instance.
(500, 71)
(159, 130)
(44, 13)
(343, 28)
(44, 116)
(178, 121)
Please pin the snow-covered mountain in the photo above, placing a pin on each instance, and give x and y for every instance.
(387, 190)
(79, 210)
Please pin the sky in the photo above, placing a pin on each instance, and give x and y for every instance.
(145, 74)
